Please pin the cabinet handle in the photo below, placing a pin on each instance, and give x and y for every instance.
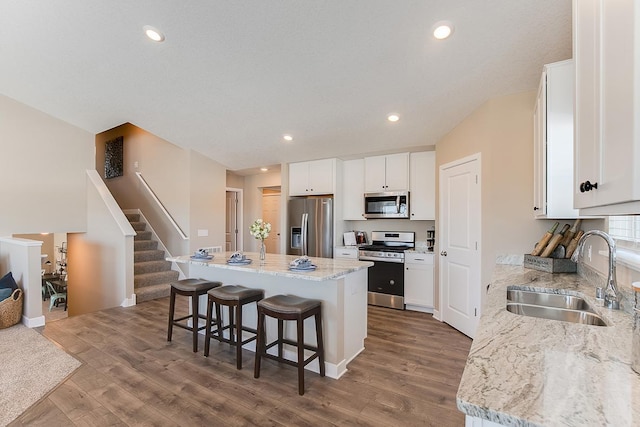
(535, 208)
(588, 186)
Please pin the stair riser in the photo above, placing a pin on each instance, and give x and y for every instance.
(142, 235)
(151, 267)
(144, 245)
(132, 217)
(142, 256)
(153, 292)
(139, 226)
(142, 280)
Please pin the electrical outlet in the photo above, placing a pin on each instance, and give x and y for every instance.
(589, 253)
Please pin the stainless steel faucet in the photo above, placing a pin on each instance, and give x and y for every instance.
(611, 293)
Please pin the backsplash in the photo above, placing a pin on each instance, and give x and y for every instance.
(418, 227)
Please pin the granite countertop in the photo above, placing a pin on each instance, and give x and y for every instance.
(524, 371)
(278, 265)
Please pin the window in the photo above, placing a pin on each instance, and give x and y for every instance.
(626, 231)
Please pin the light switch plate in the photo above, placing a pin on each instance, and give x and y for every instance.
(203, 233)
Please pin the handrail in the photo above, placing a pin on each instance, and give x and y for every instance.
(110, 203)
(164, 210)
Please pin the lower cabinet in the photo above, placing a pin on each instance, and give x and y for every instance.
(418, 281)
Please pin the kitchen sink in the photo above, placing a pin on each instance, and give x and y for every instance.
(552, 306)
(548, 300)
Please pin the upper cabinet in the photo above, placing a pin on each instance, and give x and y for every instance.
(422, 185)
(607, 106)
(353, 189)
(386, 173)
(312, 178)
(553, 143)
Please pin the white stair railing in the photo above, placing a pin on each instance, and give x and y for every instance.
(161, 206)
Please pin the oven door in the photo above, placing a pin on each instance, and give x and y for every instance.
(386, 284)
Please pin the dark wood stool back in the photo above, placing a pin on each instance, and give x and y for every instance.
(191, 288)
(234, 297)
(290, 307)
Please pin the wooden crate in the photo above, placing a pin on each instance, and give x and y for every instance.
(550, 265)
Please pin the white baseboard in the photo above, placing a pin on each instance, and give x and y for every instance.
(33, 322)
(129, 302)
(419, 308)
(436, 315)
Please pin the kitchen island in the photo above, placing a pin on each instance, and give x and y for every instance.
(526, 371)
(341, 285)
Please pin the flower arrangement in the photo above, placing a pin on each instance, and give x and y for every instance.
(260, 229)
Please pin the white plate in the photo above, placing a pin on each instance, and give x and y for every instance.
(200, 258)
(307, 268)
(243, 262)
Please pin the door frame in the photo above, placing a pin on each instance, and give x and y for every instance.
(439, 314)
(239, 194)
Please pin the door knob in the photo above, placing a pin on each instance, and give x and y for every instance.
(443, 253)
(588, 186)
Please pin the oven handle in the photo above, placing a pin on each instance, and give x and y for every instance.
(371, 258)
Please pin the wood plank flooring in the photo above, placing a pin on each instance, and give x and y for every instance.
(408, 375)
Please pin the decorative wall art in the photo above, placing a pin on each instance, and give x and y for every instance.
(113, 158)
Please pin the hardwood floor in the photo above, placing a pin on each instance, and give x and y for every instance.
(408, 375)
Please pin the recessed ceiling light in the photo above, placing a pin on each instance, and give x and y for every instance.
(393, 117)
(153, 33)
(264, 169)
(287, 137)
(442, 30)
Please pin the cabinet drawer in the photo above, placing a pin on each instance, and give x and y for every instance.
(418, 258)
(350, 253)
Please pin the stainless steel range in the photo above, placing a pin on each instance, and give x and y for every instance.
(386, 277)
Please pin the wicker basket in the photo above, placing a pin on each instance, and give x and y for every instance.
(11, 309)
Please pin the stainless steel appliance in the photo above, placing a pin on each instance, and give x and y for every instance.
(386, 277)
(391, 204)
(310, 227)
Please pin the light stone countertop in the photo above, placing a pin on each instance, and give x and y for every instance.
(277, 265)
(524, 371)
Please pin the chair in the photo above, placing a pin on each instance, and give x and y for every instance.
(192, 288)
(55, 296)
(290, 307)
(234, 298)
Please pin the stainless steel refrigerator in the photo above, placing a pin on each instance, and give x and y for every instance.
(310, 227)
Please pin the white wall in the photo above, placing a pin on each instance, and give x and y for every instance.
(502, 130)
(253, 185)
(42, 178)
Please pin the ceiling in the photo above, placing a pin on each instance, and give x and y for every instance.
(232, 77)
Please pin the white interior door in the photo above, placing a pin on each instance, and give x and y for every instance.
(271, 214)
(460, 244)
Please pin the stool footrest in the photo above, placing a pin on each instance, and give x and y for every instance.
(293, 343)
(214, 334)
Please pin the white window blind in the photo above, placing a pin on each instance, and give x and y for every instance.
(626, 231)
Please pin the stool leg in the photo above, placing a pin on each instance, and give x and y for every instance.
(280, 336)
(260, 344)
(219, 320)
(195, 321)
(239, 336)
(207, 333)
(300, 325)
(172, 306)
(231, 325)
(320, 342)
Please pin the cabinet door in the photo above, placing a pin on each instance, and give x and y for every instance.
(540, 152)
(353, 189)
(321, 176)
(606, 105)
(298, 179)
(374, 171)
(422, 185)
(418, 285)
(397, 172)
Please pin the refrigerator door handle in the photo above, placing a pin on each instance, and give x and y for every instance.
(305, 225)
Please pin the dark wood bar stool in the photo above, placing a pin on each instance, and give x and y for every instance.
(234, 297)
(191, 288)
(290, 307)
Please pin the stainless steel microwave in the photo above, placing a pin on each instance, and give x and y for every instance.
(392, 204)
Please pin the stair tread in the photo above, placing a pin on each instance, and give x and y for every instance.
(152, 292)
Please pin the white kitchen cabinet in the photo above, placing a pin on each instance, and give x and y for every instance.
(607, 106)
(553, 143)
(345, 252)
(311, 178)
(422, 185)
(353, 190)
(418, 281)
(386, 173)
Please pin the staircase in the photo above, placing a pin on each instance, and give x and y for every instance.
(152, 275)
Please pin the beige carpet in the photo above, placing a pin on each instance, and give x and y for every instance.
(30, 366)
